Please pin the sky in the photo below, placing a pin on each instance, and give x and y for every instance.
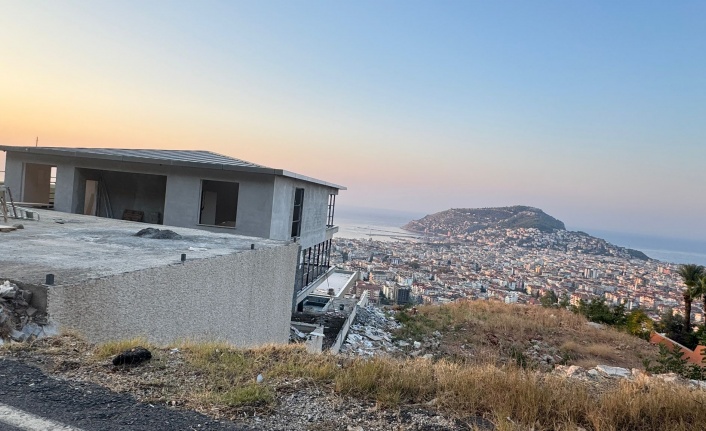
(593, 111)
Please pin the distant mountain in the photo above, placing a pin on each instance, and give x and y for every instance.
(489, 225)
(468, 220)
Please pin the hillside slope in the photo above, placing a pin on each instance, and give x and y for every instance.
(468, 220)
(280, 388)
(532, 336)
(531, 228)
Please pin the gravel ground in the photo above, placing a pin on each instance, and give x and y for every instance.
(312, 409)
(121, 396)
(89, 406)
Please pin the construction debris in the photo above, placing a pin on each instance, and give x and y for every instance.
(18, 320)
(371, 334)
(153, 233)
(296, 336)
(605, 372)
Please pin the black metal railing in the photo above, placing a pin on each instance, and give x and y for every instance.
(314, 262)
(331, 210)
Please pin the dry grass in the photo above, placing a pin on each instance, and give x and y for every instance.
(516, 399)
(218, 379)
(491, 332)
(654, 406)
(498, 317)
(230, 374)
(389, 382)
(112, 348)
(589, 355)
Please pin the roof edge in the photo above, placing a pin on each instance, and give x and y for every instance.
(66, 152)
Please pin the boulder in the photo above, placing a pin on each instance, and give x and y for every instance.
(613, 371)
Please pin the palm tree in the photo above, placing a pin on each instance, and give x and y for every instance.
(702, 291)
(691, 275)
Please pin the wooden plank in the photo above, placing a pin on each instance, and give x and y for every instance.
(133, 215)
(32, 204)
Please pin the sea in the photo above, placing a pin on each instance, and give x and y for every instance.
(385, 225)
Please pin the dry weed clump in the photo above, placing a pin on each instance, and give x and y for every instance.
(466, 391)
(230, 374)
(647, 406)
(527, 398)
(513, 398)
(388, 381)
(583, 352)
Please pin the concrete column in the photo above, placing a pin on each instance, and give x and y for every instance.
(66, 191)
(13, 176)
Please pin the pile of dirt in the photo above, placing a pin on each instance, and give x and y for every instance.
(153, 233)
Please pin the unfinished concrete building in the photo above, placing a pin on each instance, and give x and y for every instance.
(192, 189)
(109, 283)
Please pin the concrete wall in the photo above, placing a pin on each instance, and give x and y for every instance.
(243, 298)
(68, 191)
(341, 338)
(64, 193)
(315, 211)
(183, 199)
(13, 174)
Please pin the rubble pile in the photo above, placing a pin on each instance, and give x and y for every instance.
(153, 233)
(371, 334)
(543, 355)
(18, 320)
(296, 336)
(602, 372)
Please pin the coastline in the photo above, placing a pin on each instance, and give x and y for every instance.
(386, 225)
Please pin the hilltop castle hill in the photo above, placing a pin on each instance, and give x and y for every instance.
(511, 265)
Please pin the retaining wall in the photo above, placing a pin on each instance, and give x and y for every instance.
(346, 326)
(695, 356)
(244, 298)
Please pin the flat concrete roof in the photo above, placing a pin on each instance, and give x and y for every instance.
(336, 281)
(184, 158)
(75, 247)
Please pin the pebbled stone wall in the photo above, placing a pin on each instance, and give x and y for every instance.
(243, 298)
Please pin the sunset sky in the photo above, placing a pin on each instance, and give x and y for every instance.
(594, 111)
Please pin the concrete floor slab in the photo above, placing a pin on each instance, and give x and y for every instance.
(337, 281)
(76, 247)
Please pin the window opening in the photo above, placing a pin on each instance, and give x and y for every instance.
(331, 209)
(297, 212)
(219, 203)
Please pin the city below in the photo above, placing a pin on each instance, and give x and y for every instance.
(483, 254)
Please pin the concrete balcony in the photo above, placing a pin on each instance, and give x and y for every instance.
(331, 231)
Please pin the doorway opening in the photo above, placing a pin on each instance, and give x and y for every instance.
(219, 203)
